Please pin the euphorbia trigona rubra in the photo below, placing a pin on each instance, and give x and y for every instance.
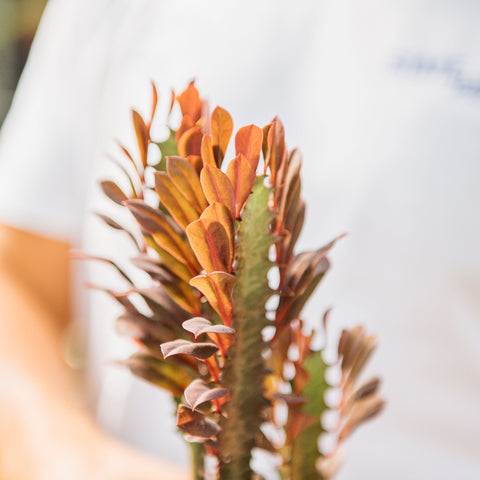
(208, 242)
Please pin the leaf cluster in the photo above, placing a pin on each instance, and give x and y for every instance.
(208, 242)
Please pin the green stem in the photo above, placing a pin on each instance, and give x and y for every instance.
(198, 461)
(245, 371)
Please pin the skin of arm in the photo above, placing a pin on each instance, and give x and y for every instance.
(44, 432)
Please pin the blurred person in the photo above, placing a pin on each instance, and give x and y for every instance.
(382, 97)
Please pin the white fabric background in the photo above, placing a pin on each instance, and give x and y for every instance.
(383, 98)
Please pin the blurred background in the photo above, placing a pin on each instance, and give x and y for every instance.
(18, 24)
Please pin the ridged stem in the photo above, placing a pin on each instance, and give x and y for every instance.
(245, 371)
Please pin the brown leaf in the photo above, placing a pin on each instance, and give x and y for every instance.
(248, 142)
(77, 255)
(185, 178)
(290, 196)
(349, 345)
(129, 157)
(199, 392)
(208, 157)
(135, 325)
(363, 354)
(113, 192)
(289, 399)
(199, 325)
(113, 224)
(219, 212)
(179, 290)
(221, 125)
(242, 177)
(160, 373)
(218, 290)
(159, 296)
(361, 411)
(210, 243)
(303, 274)
(217, 187)
(368, 388)
(141, 132)
(199, 350)
(196, 423)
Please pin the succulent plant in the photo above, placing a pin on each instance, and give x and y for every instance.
(231, 348)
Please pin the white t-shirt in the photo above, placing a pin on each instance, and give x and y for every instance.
(382, 97)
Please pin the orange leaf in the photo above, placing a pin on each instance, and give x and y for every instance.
(208, 157)
(141, 132)
(190, 103)
(278, 150)
(171, 263)
(218, 290)
(248, 142)
(163, 233)
(185, 178)
(221, 125)
(179, 207)
(190, 142)
(209, 242)
(196, 162)
(265, 148)
(183, 295)
(172, 102)
(242, 176)
(186, 124)
(217, 187)
(219, 212)
(154, 106)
